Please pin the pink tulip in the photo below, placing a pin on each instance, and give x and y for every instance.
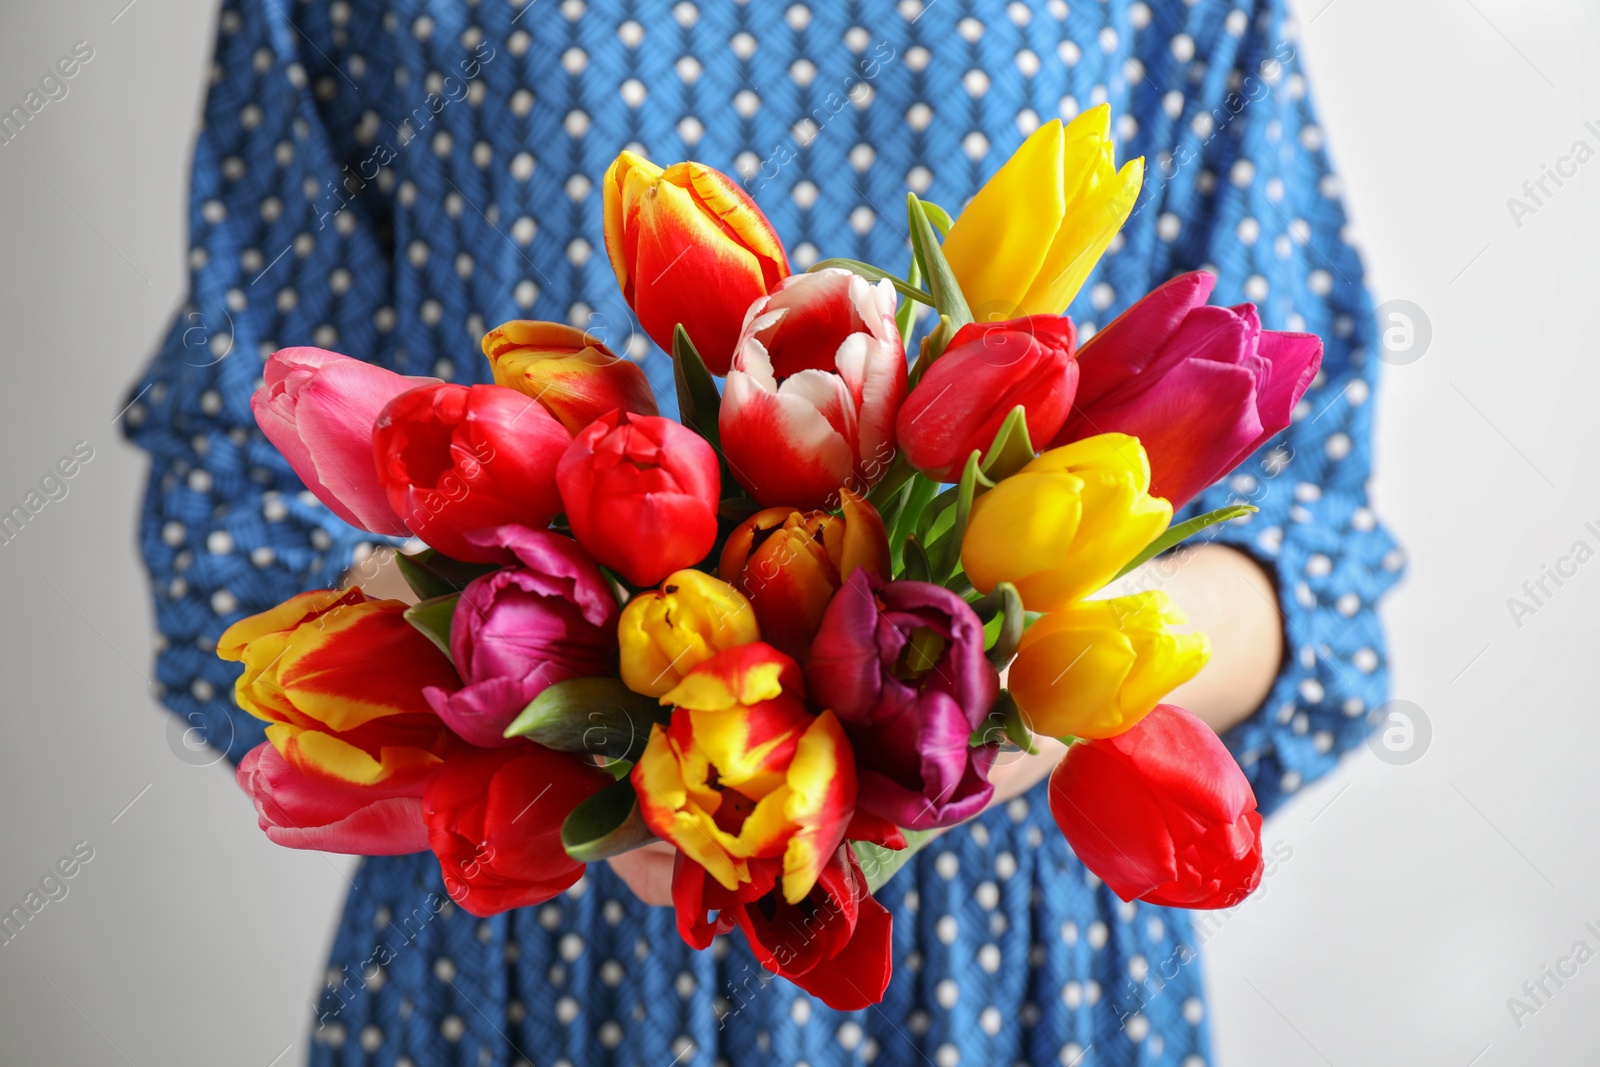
(317, 408)
(988, 370)
(302, 809)
(815, 412)
(1201, 387)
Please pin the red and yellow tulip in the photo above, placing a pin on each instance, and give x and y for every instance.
(744, 772)
(339, 678)
(688, 246)
(572, 373)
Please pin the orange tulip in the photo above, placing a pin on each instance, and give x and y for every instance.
(689, 246)
(789, 563)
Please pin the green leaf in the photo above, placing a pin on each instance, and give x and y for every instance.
(1005, 721)
(606, 824)
(883, 494)
(432, 617)
(1012, 449)
(1013, 624)
(905, 316)
(941, 279)
(431, 574)
(939, 217)
(916, 567)
(879, 864)
(922, 490)
(875, 274)
(698, 399)
(1182, 532)
(598, 716)
(948, 550)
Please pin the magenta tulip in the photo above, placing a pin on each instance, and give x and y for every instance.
(988, 370)
(1201, 387)
(318, 409)
(815, 413)
(902, 666)
(547, 617)
(299, 808)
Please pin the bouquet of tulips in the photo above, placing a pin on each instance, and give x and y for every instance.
(791, 632)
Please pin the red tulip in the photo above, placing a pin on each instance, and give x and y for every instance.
(494, 821)
(317, 408)
(299, 808)
(803, 419)
(1161, 813)
(457, 459)
(986, 371)
(641, 494)
(688, 246)
(836, 943)
(1201, 387)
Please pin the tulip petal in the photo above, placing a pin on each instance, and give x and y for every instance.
(822, 784)
(1135, 340)
(300, 809)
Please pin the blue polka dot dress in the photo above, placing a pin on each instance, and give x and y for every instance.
(389, 178)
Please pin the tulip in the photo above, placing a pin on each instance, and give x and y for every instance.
(1065, 524)
(460, 459)
(572, 373)
(987, 371)
(1201, 387)
(836, 943)
(339, 680)
(516, 631)
(641, 494)
(318, 408)
(667, 633)
(494, 821)
(793, 433)
(688, 246)
(744, 772)
(790, 563)
(902, 665)
(1161, 813)
(1027, 241)
(304, 809)
(1097, 667)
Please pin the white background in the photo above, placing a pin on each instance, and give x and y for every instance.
(1418, 899)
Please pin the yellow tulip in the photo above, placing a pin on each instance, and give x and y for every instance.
(1095, 668)
(1027, 241)
(667, 633)
(1064, 525)
(571, 372)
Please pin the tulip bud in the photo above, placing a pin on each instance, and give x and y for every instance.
(318, 409)
(688, 246)
(666, 634)
(491, 857)
(1161, 813)
(641, 493)
(1065, 524)
(795, 440)
(1097, 667)
(572, 373)
(301, 808)
(790, 563)
(988, 370)
(1233, 384)
(460, 459)
(1027, 241)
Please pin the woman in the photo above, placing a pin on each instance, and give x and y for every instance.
(392, 181)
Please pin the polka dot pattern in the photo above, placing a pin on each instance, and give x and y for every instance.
(388, 177)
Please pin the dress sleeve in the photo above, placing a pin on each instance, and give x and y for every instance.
(1260, 206)
(227, 529)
